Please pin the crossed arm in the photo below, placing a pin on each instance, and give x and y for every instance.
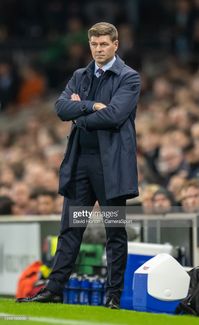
(96, 106)
(98, 116)
(69, 106)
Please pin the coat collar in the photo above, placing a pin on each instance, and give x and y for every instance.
(116, 67)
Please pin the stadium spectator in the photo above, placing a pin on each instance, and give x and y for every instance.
(20, 197)
(46, 202)
(175, 185)
(7, 176)
(53, 155)
(33, 205)
(171, 161)
(144, 173)
(181, 138)
(163, 201)
(180, 118)
(149, 143)
(33, 86)
(146, 197)
(5, 190)
(6, 205)
(190, 196)
(162, 90)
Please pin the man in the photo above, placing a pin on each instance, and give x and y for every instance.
(100, 162)
(171, 162)
(163, 201)
(20, 195)
(190, 196)
(46, 202)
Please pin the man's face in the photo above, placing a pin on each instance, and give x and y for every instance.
(161, 203)
(190, 199)
(169, 160)
(45, 204)
(102, 49)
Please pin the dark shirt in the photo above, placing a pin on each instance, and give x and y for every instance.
(88, 140)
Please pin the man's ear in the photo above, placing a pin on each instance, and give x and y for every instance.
(116, 44)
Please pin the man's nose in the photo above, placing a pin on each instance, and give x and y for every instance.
(98, 48)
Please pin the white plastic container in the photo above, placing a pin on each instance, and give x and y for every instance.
(138, 254)
(159, 285)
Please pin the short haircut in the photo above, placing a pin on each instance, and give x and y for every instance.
(194, 182)
(42, 192)
(103, 28)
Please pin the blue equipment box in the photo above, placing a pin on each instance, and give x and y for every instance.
(138, 254)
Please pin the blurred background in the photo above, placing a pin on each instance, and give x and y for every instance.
(43, 42)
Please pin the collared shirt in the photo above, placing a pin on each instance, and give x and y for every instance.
(105, 67)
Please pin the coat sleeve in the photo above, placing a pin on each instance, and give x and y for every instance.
(122, 104)
(67, 109)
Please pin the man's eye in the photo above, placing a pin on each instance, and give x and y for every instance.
(101, 45)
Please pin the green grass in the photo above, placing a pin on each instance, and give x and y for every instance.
(88, 314)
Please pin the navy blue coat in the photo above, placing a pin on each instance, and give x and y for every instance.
(119, 89)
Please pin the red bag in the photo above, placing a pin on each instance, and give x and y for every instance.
(27, 280)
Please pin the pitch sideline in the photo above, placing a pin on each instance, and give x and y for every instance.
(50, 320)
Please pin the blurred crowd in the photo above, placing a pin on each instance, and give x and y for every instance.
(33, 139)
(168, 138)
(30, 155)
(43, 42)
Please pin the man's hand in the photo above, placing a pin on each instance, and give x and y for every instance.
(98, 106)
(75, 97)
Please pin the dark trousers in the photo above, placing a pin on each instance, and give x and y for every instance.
(89, 184)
